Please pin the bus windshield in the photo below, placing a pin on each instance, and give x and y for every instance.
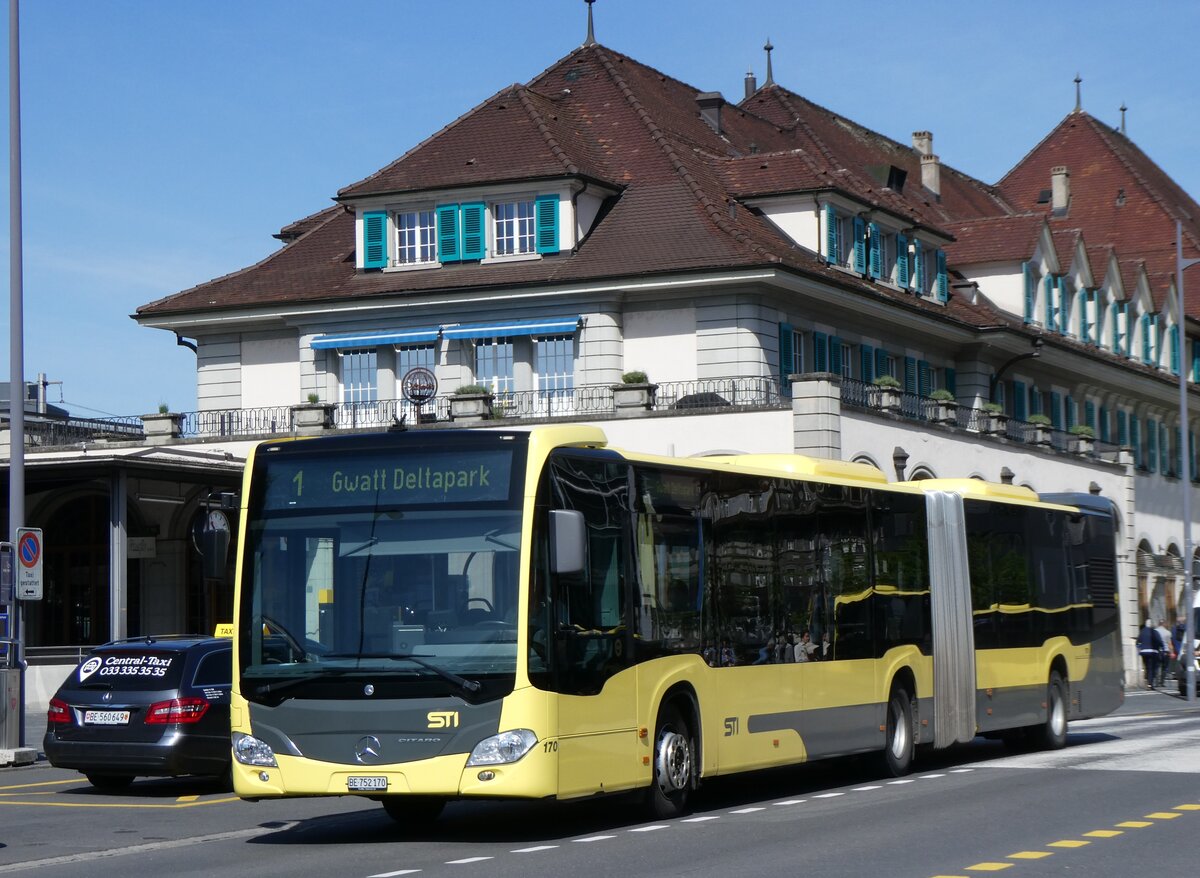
(342, 583)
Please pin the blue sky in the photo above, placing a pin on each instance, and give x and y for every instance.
(165, 142)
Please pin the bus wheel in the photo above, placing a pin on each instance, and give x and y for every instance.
(898, 747)
(413, 811)
(674, 763)
(1052, 735)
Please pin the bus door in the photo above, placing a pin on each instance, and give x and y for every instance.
(597, 726)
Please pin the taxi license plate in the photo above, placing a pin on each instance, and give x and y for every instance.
(106, 717)
(372, 782)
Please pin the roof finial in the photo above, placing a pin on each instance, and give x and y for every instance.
(1078, 94)
(770, 76)
(1123, 109)
(591, 34)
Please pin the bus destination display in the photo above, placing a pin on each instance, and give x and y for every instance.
(414, 478)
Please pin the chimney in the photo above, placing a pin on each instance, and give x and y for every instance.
(931, 174)
(751, 83)
(1060, 189)
(923, 142)
(710, 108)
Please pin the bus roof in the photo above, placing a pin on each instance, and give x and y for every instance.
(979, 489)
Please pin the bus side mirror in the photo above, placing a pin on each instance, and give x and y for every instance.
(568, 541)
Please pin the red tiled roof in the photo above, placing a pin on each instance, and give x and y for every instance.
(994, 239)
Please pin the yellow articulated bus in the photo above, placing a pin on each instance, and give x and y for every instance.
(434, 615)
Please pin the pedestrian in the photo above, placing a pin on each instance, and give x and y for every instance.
(1166, 661)
(1149, 646)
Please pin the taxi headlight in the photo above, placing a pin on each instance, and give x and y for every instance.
(503, 748)
(249, 750)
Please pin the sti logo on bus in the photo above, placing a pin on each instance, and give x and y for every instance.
(442, 719)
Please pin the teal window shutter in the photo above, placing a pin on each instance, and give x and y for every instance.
(951, 379)
(902, 261)
(1151, 445)
(1145, 323)
(1122, 428)
(835, 355)
(1027, 274)
(876, 242)
(1164, 449)
(1048, 302)
(1085, 327)
(786, 353)
(866, 363)
(1035, 401)
(447, 233)
(1064, 297)
(831, 235)
(860, 245)
(1192, 472)
(943, 279)
(474, 236)
(1177, 458)
(375, 239)
(1089, 414)
(1070, 412)
(924, 379)
(1155, 342)
(1104, 425)
(820, 352)
(1174, 352)
(881, 362)
(918, 268)
(1196, 360)
(545, 210)
(910, 374)
(1135, 441)
(1056, 407)
(1020, 408)
(1114, 312)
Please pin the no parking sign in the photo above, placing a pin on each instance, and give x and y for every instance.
(29, 563)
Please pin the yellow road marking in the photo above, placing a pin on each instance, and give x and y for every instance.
(44, 783)
(1030, 855)
(949, 876)
(1187, 807)
(131, 805)
(1135, 824)
(187, 798)
(1162, 815)
(1103, 833)
(1068, 843)
(989, 867)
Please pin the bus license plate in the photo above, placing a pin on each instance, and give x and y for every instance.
(371, 783)
(106, 717)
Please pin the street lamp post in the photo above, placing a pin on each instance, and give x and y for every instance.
(1189, 637)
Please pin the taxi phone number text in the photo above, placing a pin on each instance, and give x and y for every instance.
(133, 672)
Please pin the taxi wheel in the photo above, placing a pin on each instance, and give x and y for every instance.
(110, 783)
(413, 810)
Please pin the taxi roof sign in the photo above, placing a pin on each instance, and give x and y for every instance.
(224, 629)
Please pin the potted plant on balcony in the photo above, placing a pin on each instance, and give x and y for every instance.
(471, 402)
(945, 407)
(1040, 434)
(162, 425)
(635, 393)
(887, 393)
(1084, 441)
(312, 416)
(993, 420)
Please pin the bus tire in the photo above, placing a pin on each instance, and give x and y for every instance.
(674, 762)
(413, 811)
(898, 739)
(1052, 734)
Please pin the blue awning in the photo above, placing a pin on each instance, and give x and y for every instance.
(373, 339)
(510, 328)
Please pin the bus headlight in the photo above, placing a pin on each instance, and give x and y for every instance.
(249, 750)
(503, 748)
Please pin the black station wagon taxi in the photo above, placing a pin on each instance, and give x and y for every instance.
(144, 706)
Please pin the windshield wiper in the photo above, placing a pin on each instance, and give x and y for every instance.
(449, 676)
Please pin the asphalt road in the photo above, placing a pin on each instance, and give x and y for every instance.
(1122, 797)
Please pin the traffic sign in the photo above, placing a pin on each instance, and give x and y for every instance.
(29, 563)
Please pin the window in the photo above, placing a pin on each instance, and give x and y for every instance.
(514, 227)
(359, 375)
(554, 372)
(494, 365)
(416, 243)
(846, 359)
(797, 364)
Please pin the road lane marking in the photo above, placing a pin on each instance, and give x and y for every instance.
(187, 798)
(896, 782)
(534, 849)
(592, 838)
(791, 801)
(699, 819)
(1103, 833)
(465, 860)
(828, 795)
(746, 810)
(931, 776)
(1030, 855)
(961, 770)
(394, 874)
(1187, 807)
(1162, 815)
(1135, 824)
(649, 828)
(865, 789)
(133, 805)
(1068, 843)
(43, 783)
(150, 846)
(989, 867)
